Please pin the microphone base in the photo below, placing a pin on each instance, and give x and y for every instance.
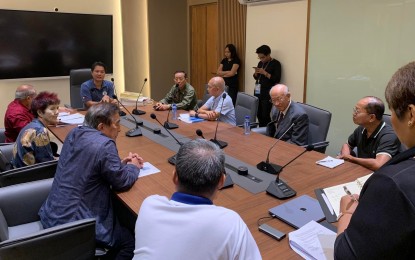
(219, 143)
(134, 132)
(172, 160)
(269, 167)
(122, 113)
(138, 112)
(169, 125)
(280, 190)
(228, 182)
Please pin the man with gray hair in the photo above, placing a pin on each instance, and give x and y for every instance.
(188, 225)
(284, 113)
(89, 169)
(217, 107)
(18, 113)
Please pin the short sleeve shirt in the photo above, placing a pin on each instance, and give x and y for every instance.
(90, 93)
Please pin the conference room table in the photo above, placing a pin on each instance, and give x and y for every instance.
(303, 174)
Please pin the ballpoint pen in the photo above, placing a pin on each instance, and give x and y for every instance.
(349, 193)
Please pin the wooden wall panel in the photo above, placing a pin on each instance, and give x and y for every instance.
(232, 29)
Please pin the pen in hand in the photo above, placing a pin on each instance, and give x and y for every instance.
(349, 193)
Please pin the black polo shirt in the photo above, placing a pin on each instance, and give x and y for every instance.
(382, 141)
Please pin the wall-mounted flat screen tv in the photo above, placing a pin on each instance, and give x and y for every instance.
(50, 44)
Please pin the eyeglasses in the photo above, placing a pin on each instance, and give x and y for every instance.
(357, 111)
(277, 100)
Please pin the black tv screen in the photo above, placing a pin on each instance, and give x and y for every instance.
(47, 44)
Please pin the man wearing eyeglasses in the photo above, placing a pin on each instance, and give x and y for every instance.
(284, 114)
(376, 142)
(182, 94)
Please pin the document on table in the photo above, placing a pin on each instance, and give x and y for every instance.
(330, 162)
(313, 241)
(148, 169)
(71, 119)
(189, 119)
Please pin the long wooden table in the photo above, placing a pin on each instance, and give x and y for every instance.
(303, 175)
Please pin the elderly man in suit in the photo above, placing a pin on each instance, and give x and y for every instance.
(287, 117)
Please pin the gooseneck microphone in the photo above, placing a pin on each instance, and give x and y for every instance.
(133, 131)
(122, 113)
(169, 125)
(270, 167)
(221, 144)
(171, 160)
(136, 111)
(279, 188)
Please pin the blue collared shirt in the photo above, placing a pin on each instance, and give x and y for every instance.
(89, 169)
(90, 93)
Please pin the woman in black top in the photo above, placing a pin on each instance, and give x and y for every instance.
(380, 224)
(267, 74)
(228, 70)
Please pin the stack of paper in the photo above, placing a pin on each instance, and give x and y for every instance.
(71, 119)
(189, 119)
(313, 241)
(330, 162)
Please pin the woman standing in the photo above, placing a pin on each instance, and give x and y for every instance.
(380, 224)
(33, 142)
(228, 70)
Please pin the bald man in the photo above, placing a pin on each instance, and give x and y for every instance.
(213, 108)
(375, 140)
(18, 113)
(284, 113)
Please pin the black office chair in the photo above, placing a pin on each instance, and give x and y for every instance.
(318, 128)
(38, 171)
(22, 235)
(387, 119)
(76, 78)
(2, 135)
(6, 155)
(246, 105)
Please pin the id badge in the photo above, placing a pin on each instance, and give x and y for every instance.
(257, 89)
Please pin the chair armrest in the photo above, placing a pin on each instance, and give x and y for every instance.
(75, 240)
(260, 130)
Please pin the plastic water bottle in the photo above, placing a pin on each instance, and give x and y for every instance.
(174, 111)
(247, 125)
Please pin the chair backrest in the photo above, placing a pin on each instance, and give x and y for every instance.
(6, 156)
(20, 203)
(30, 173)
(245, 105)
(319, 123)
(387, 119)
(2, 135)
(76, 78)
(74, 240)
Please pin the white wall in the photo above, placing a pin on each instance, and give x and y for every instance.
(61, 85)
(283, 27)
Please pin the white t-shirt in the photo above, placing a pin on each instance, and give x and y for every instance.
(228, 110)
(167, 229)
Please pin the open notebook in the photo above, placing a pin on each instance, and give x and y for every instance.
(335, 193)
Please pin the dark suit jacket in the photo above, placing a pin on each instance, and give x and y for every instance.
(299, 132)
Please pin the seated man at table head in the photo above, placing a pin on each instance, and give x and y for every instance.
(217, 107)
(33, 142)
(97, 89)
(284, 113)
(380, 224)
(182, 94)
(375, 140)
(18, 113)
(189, 225)
(89, 170)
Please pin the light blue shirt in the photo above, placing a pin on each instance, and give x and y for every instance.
(227, 115)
